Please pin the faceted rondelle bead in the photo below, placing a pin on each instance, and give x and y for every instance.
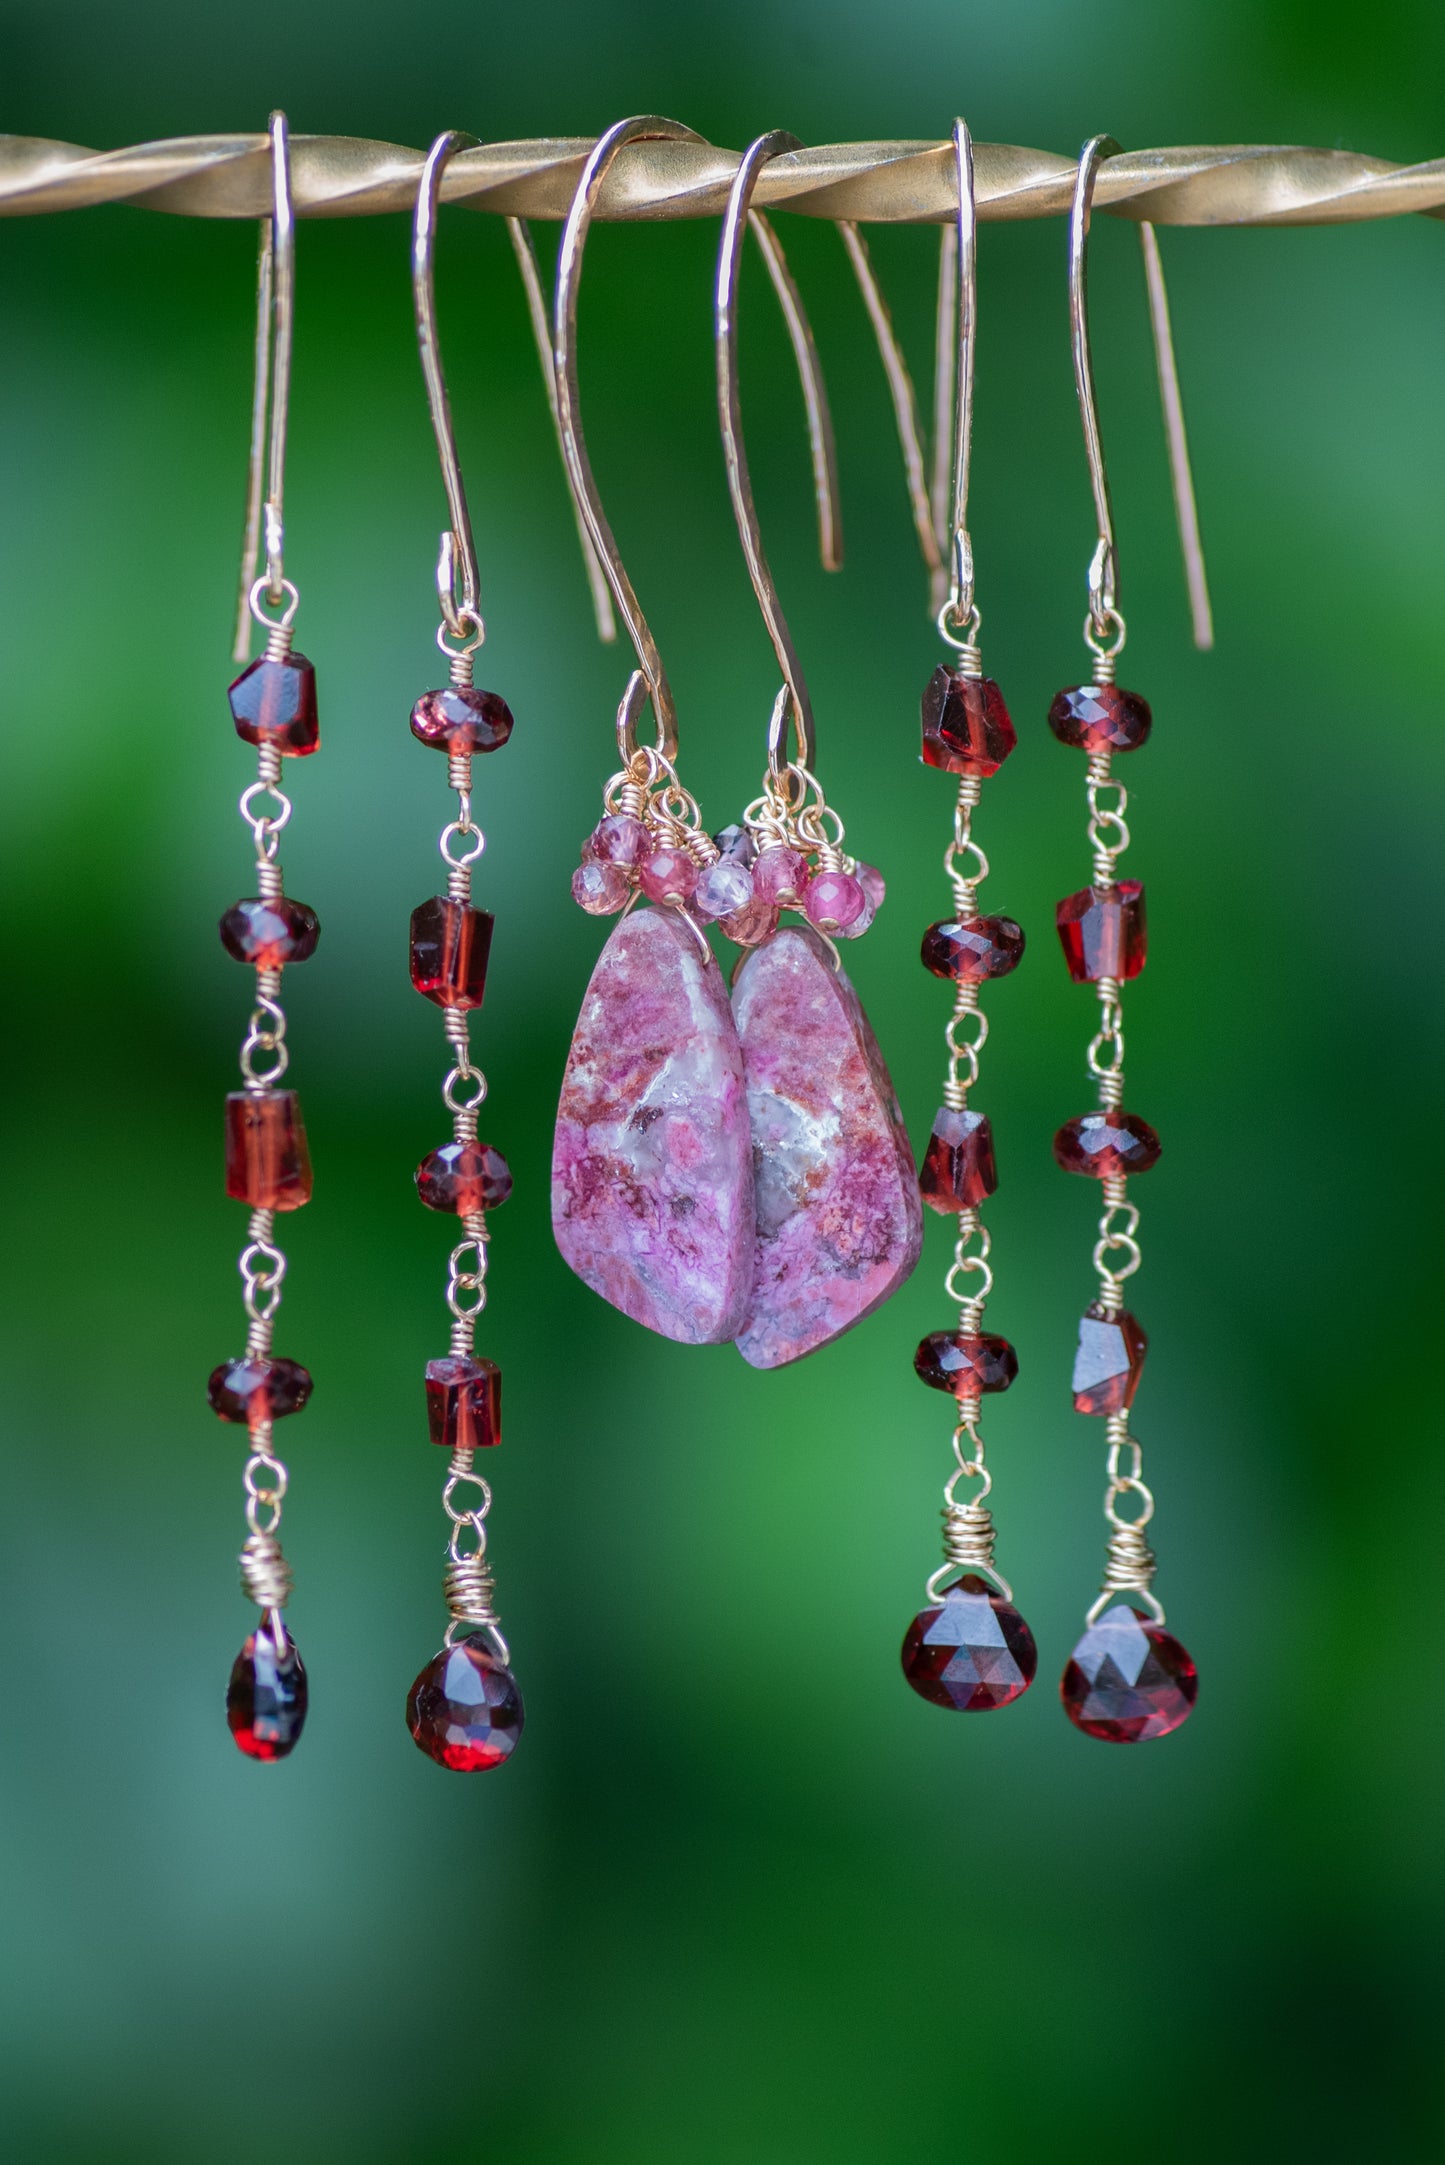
(619, 838)
(780, 875)
(971, 1654)
(450, 943)
(1100, 718)
(724, 889)
(755, 922)
(274, 702)
(465, 1710)
(1128, 1679)
(1106, 1145)
(1103, 933)
(266, 1697)
(833, 901)
(966, 726)
(967, 1366)
(600, 889)
(1109, 1362)
(668, 875)
(970, 949)
(269, 934)
(258, 1387)
(958, 1168)
(872, 882)
(462, 718)
(463, 1177)
(739, 842)
(464, 1402)
(267, 1162)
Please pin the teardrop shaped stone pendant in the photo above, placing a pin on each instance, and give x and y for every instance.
(652, 1171)
(839, 1220)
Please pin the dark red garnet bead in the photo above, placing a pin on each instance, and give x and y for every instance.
(269, 934)
(1106, 1145)
(267, 1162)
(464, 1402)
(1100, 718)
(1109, 1362)
(266, 1697)
(1103, 933)
(463, 1177)
(450, 943)
(970, 949)
(955, 1361)
(258, 1387)
(973, 1653)
(465, 1710)
(958, 1169)
(462, 718)
(274, 702)
(966, 726)
(1128, 1679)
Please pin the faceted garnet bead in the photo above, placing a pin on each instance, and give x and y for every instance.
(465, 1710)
(966, 726)
(450, 942)
(973, 948)
(1109, 1362)
(1128, 1679)
(258, 1387)
(599, 888)
(955, 1361)
(972, 1653)
(267, 1162)
(269, 934)
(464, 1402)
(462, 718)
(266, 1697)
(1107, 1144)
(1100, 718)
(274, 702)
(1103, 933)
(463, 1177)
(958, 1168)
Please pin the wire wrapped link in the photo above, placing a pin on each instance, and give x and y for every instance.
(266, 1576)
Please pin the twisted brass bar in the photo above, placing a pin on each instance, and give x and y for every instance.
(345, 176)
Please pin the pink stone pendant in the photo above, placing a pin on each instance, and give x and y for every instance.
(839, 1220)
(652, 1172)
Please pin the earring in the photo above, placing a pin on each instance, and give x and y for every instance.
(652, 1178)
(969, 1649)
(1128, 1678)
(273, 703)
(838, 1220)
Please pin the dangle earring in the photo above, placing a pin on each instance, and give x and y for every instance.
(838, 1220)
(652, 1178)
(969, 1650)
(1128, 1679)
(268, 1168)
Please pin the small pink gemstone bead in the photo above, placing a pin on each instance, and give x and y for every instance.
(755, 922)
(668, 875)
(833, 901)
(600, 889)
(871, 880)
(780, 875)
(725, 888)
(618, 839)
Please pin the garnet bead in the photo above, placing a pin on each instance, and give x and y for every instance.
(464, 1402)
(463, 1177)
(970, 949)
(966, 726)
(600, 889)
(1128, 1679)
(1109, 1362)
(274, 702)
(462, 718)
(1100, 718)
(971, 1654)
(269, 934)
(267, 1162)
(1103, 932)
(465, 1710)
(964, 1364)
(1106, 1145)
(668, 875)
(450, 942)
(258, 1387)
(958, 1168)
(266, 1697)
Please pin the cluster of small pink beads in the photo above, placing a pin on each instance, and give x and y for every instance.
(743, 889)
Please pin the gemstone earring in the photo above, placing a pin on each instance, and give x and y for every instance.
(969, 1650)
(652, 1178)
(273, 703)
(838, 1219)
(1128, 1679)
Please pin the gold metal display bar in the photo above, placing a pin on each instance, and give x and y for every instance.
(344, 176)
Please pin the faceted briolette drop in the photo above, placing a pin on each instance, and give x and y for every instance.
(266, 1697)
(1128, 1679)
(464, 1710)
(973, 1653)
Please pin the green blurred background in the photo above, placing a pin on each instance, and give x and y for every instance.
(740, 1896)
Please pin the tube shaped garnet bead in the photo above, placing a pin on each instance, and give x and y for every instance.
(274, 702)
(1106, 1145)
(966, 726)
(1100, 718)
(958, 1168)
(450, 943)
(464, 1402)
(462, 718)
(1103, 933)
(267, 1162)
(1109, 1362)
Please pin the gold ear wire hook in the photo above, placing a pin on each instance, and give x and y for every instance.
(275, 299)
(1104, 568)
(458, 586)
(958, 609)
(905, 410)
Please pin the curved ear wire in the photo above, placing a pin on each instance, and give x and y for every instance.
(275, 309)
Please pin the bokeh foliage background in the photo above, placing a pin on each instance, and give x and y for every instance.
(740, 1896)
